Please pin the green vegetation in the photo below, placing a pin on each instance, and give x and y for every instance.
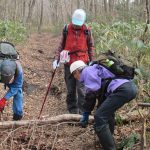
(119, 36)
(129, 142)
(12, 31)
(118, 120)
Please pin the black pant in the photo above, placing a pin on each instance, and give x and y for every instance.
(75, 92)
(105, 112)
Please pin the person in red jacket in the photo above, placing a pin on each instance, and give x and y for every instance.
(76, 44)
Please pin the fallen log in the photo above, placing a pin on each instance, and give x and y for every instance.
(70, 118)
(51, 120)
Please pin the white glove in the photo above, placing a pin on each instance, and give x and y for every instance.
(55, 64)
(64, 56)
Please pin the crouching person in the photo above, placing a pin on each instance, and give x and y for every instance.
(12, 77)
(118, 92)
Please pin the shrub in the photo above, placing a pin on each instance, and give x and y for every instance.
(12, 31)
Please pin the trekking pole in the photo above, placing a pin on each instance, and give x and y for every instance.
(47, 93)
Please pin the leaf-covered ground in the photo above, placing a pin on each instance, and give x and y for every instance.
(36, 56)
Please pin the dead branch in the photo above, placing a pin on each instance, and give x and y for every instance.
(143, 138)
(146, 92)
(51, 120)
(70, 118)
(144, 127)
(144, 104)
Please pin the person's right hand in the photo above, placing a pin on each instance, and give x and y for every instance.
(55, 64)
(84, 119)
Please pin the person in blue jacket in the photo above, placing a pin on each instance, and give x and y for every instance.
(12, 77)
(119, 91)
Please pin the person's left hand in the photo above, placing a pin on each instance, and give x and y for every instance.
(3, 102)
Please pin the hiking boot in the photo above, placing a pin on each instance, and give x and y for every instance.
(17, 117)
(105, 137)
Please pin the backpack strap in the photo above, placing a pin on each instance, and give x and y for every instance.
(87, 33)
(5, 86)
(17, 69)
(65, 32)
(87, 30)
(103, 90)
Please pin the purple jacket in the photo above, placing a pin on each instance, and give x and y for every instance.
(92, 76)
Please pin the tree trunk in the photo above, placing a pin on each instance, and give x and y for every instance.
(31, 6)
(127, 5)
(24, 11)
(78, 4)
(95, 8)
(41, 17)
(91, 6)
(111, 5)
(105, 6)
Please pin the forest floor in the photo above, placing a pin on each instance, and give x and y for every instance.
(36, 56)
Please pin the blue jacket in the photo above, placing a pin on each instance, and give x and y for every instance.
(16, 84)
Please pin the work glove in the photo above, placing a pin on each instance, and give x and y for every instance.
(84, 119)
(3, 102)
(55, 64)
(64, 56)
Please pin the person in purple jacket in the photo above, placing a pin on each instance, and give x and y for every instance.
(12, 77)
(118, 92)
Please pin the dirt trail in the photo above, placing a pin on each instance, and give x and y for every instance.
(36, 57)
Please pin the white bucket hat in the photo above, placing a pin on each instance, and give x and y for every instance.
(76, 65)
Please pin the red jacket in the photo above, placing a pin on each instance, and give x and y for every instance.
(76, 42)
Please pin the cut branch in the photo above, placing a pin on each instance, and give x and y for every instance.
(51, 120)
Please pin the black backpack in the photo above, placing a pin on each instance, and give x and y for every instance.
(8, 51)
(87, 33)
(111, 61)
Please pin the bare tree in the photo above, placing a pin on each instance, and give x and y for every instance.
(105, 5)
(31, 6)
(111, 5)
(23, 11)
(78, 3)
(41, 17)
